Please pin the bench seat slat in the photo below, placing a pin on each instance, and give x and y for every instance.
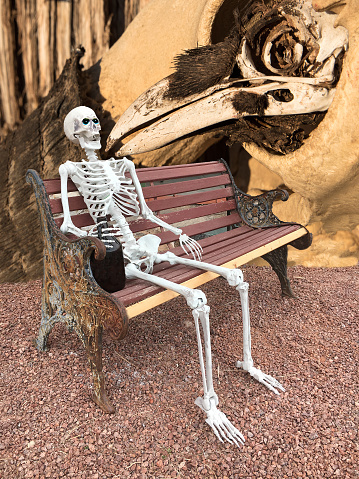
(179, 171)
(137, 290)
(165, 189)
(228, 249)
(228, 239)
(184, 215)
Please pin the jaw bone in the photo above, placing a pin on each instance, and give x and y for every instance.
(253, 94)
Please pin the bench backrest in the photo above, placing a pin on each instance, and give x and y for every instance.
(197, 197)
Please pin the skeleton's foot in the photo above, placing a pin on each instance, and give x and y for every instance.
(220, 424)
(269, 381)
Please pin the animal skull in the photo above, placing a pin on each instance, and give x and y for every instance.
(294, 73)
(82, 127)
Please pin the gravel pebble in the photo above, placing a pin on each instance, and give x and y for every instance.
(50, 428)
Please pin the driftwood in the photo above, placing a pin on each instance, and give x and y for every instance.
(38, 143)
(36, 41)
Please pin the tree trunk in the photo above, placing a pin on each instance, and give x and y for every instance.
(38, 36)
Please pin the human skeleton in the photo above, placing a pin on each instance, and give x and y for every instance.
(107, 191)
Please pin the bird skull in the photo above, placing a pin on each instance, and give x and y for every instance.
(288, 66)
(82, 127)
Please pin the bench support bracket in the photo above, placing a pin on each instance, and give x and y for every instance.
(70, 294)
(278, 261)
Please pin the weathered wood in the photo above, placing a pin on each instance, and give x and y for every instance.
(38, 143)
(63, 34)
(9, 97)
(27, 24)
(36, 39)
(46, 67)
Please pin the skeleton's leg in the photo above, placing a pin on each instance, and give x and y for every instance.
(196, 300)
(234, 277)
(247, 363)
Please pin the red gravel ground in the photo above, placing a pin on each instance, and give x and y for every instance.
(50, 428)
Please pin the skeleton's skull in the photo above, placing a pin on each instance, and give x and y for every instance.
(82, 127)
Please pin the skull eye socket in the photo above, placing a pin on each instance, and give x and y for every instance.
(95, 120)
(85, 121)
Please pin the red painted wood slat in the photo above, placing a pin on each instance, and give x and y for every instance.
(190, 199)
(75, 203)
(165, 189)
(184, 215)
(226, 249)
(137, 290)
(179, 171)
(82, 220)
(202, 227)
(53, 186)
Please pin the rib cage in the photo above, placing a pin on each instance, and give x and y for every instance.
(101, 181)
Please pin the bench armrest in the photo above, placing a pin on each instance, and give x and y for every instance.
(256, 211)
(68, 283)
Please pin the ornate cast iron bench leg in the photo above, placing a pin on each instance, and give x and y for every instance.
(278, 260)
(71, 295)
(256, 212)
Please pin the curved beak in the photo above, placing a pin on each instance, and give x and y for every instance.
(163, 120)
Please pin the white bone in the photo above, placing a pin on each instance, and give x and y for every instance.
(196, 300)
(218, 421)
(247, 363)
(245, 63)
(82, 127)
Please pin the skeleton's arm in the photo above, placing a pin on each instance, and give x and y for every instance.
(188, 244)
(145, 210)
(67, 226)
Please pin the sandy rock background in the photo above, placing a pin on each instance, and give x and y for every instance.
(323, 175)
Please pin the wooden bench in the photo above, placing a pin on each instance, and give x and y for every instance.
(231, 226)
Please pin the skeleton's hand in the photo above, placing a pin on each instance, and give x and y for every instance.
(69, 227)
(190, 245)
